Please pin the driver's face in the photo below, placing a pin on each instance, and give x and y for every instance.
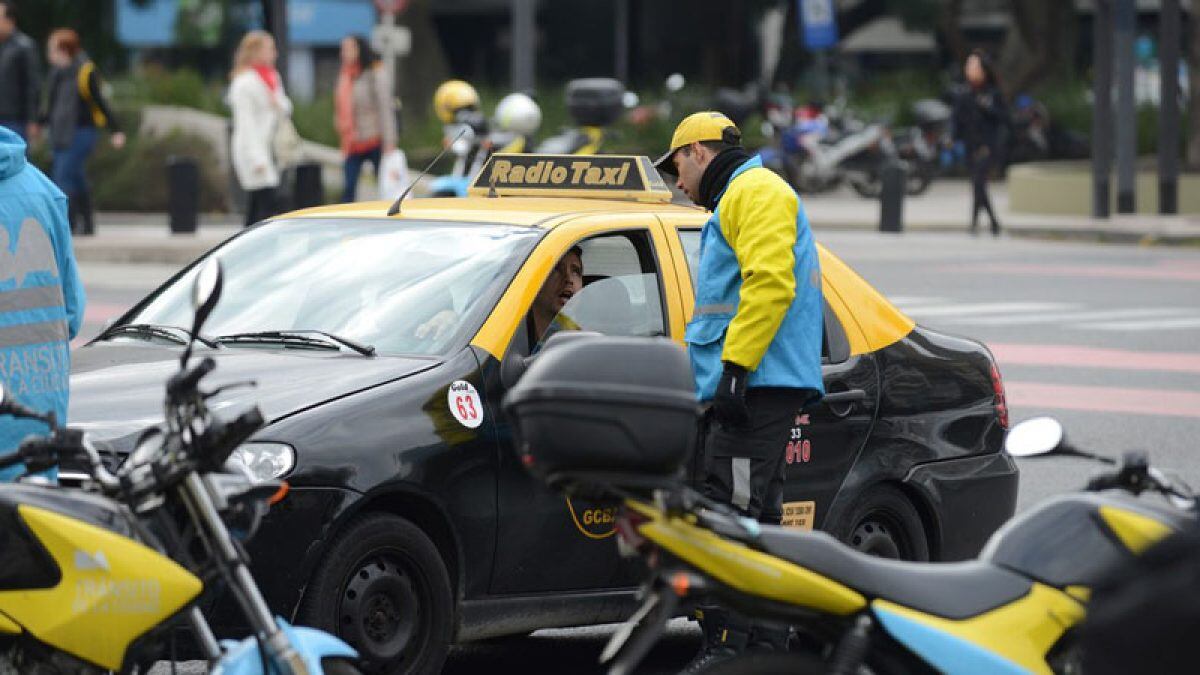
(565, 280)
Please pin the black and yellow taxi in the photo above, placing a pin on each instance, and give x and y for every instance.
(381, 346)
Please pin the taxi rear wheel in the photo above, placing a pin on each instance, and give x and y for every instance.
(384, 589)
(884, 523)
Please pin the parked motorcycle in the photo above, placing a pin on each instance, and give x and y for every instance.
(94, 580)
(618, 430)
(816, 152)
(594, 104)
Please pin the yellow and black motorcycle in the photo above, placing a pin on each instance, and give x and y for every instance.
(95, 579)
(613, 419)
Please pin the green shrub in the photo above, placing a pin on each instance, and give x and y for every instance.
(135, 177)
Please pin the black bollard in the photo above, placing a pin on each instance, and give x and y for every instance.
(309, 189)
(893, 176)
(183, 194)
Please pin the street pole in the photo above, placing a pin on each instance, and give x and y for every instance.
(1168, 105)
(1102, 121)
(522, 45)
(1125, 20)
(275, 20)
(621, 42)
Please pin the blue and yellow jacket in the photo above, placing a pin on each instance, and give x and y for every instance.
(41, 295)
(758, 288)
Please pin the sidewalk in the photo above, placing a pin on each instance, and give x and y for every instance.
(145, 238)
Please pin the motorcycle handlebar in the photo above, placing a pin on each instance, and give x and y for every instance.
(222, 439)
(181, 385)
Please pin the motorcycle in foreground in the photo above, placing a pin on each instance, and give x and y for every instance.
(95, 579)
(613, 419)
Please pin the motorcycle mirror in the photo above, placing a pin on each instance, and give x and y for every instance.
(675, 82)
(1037, 436)
(206, 291)
(630, 100)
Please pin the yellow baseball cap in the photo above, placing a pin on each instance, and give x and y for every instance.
(707, 125)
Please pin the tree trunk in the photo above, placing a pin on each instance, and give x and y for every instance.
(425, 67)
(1042, 39)
(1193, 61)
(950, 26)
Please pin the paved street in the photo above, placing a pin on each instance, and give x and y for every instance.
(1104, 337)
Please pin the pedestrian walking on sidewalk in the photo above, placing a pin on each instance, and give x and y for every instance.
(365, 111)
(41, 296)
(20, 75)
(75, 111)
(754, 339)
(260, 109)
(981, 122)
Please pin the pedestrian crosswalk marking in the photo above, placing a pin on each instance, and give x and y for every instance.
(1157, 324)
(985, 308)
(935, 311)
(1065, 317)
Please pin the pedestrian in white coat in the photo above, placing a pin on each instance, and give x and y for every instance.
(259, 106)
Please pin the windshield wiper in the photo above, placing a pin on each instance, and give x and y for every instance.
(171, 333)
(308, 338)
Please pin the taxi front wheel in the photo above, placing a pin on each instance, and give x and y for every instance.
(384, 589)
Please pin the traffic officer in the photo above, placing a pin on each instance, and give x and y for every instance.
(754, 338)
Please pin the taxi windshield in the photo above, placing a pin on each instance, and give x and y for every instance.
(374, 282)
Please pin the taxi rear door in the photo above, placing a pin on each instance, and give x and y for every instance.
(825, 440)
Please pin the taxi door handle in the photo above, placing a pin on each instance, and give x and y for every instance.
(848, 396)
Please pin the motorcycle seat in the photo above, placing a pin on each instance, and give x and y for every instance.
(957, 590)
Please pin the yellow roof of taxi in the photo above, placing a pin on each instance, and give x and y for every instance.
(536, 211)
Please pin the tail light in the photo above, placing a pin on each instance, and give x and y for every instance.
(999, 400)
(629, 540)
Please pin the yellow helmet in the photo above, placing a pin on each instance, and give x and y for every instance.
(452, 96)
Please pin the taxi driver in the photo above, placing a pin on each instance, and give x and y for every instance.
(564, 282)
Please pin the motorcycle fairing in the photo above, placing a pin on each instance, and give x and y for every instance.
(8, 626)
(112, 591)
(1011, 639)
(242, 658)
(745, 569)
(1136, 532)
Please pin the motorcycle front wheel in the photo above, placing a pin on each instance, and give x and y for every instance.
(769, 663)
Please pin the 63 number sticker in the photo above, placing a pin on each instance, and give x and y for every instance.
(465, 404)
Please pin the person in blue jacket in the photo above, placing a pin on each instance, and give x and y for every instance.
(41, 295)
(754, 338)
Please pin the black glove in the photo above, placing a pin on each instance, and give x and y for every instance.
(729, 403)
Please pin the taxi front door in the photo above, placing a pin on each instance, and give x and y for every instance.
(546, 541)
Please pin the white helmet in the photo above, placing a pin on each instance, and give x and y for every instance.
(518, 114)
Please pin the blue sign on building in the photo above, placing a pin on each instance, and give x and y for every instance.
(166, 23)
(818, 23)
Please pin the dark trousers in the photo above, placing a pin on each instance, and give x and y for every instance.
(260, 205)
(981, 168)
(744, 467)
(352, 168)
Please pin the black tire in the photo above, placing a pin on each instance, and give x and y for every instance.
(883, 522)
(919, 179)
(338, 666)
(383, 588)
(769, 663)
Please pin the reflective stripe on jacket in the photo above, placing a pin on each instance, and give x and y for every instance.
(758, 288)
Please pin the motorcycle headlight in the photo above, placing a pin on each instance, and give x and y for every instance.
(266, 461)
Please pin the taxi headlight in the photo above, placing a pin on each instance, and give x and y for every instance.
(266, 461)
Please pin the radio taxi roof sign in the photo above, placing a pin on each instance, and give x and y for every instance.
(604, 176)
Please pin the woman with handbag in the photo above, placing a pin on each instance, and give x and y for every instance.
(364, 112)
(262, 125)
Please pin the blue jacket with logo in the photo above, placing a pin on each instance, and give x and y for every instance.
(41, 295)
(758, 288)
